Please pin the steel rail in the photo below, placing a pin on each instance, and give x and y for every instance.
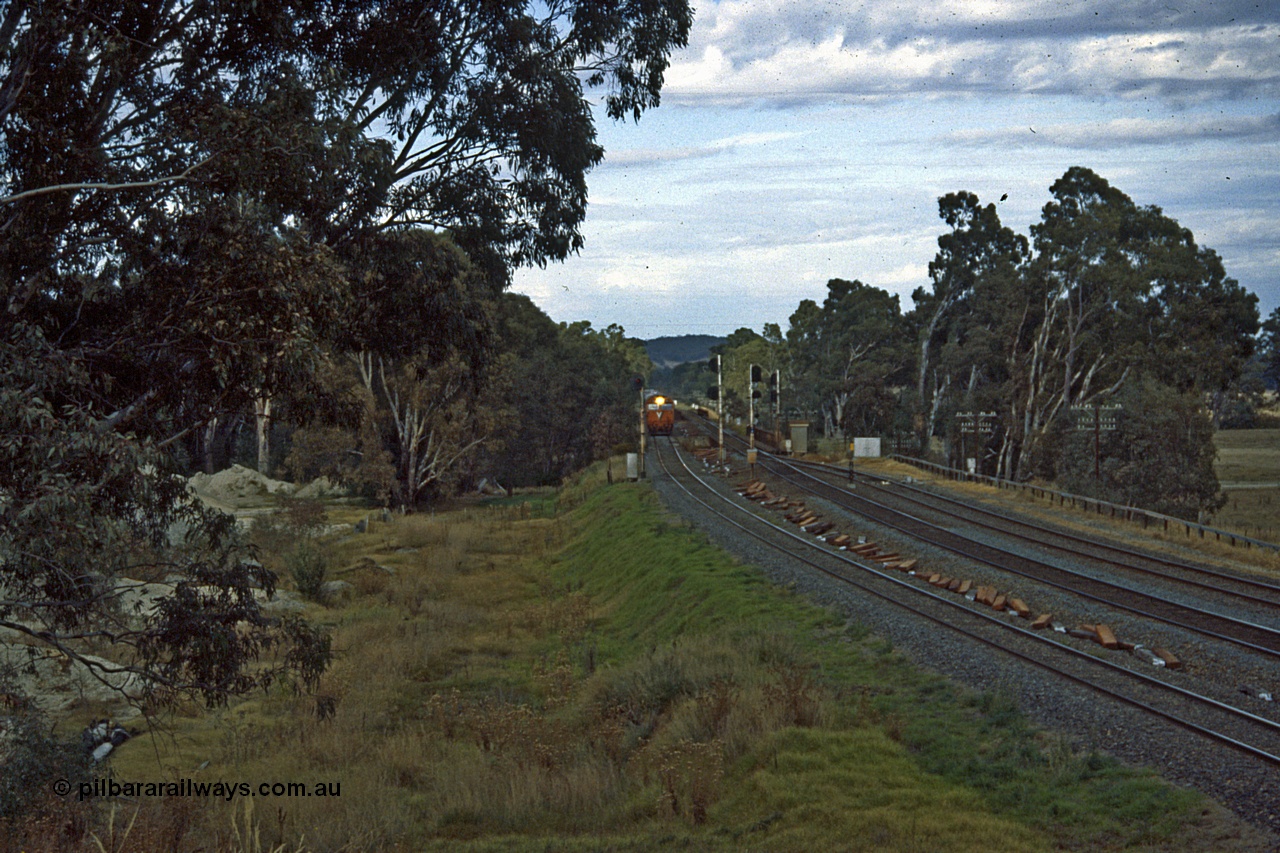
(1226, 622)
(966, 513)
(1182, 692)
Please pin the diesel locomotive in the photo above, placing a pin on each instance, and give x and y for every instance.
(659, 414)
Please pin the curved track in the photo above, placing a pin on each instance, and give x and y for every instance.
(1245, 633)
(1240, 730)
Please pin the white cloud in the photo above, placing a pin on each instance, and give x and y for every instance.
(649, 156)
(1129, 131)
(816, 49)
(808, 140)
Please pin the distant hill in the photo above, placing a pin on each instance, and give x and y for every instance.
(679, 349)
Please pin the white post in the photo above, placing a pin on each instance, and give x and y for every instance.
(720, 401)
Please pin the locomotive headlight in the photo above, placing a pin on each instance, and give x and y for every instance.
(659, 400)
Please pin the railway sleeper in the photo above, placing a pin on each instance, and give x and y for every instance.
(1104, 636)
(810, 522)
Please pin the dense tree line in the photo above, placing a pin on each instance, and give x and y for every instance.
(568, 394)
(282, 213)
(1108, 303)
(554, 397)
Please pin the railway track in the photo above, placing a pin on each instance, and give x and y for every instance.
(1245, 733)
(1263, 639)
(1242, 588)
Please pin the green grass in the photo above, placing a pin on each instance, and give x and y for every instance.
(857, 789)
(538, 503)
(659, 580)
(596, 675)
(979, 744)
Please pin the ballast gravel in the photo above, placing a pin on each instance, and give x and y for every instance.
(1247, 787)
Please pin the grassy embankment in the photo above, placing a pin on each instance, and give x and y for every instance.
(599, 676)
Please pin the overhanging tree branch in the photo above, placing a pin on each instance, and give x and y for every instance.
(101, 187)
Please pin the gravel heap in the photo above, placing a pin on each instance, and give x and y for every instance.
(239, 487)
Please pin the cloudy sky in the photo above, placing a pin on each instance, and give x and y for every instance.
(807, 140)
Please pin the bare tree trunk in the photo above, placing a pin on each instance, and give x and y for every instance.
(262, 414)
(944, 305)
(935, 405)
(209, 435)
(424, 452)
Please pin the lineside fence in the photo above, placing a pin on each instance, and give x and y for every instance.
(1145, 517)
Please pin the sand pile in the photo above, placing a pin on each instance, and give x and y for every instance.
(238, 487)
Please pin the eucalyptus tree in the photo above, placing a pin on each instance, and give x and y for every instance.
(977, 263)
(188, 189)
(1084, 293)
(740, 349)
(1117, 290)
(852, 347)
(564, 391)
(419, 332)
(1159, 456)
(1269, 348)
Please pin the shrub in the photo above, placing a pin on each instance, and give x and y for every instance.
(31, 759)
(305, 515)
(308, 566)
